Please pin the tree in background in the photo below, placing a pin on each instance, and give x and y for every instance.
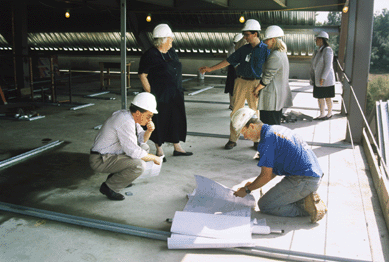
(379, 62)
(378, 88)
(334, 19)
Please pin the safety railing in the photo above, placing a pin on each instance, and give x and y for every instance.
(367, 127)
(374, 157)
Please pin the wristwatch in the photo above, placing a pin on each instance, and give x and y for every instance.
(248, 191)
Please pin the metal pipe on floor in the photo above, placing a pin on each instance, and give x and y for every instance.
(29, 154)
(161, 235)
(88, 222)
(97, 94)
(82, 106)
(335, 145)
(35, 118)
(201, 90)
(291, 255)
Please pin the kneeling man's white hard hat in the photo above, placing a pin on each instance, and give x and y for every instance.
(240, 118)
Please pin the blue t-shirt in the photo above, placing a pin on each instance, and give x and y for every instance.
(250, 60)
(284, 151)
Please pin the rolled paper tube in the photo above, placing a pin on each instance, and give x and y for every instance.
(263, 230)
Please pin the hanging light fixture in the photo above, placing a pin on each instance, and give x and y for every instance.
(345, 7)
(148, 18)
(241, 18)
(67, 14)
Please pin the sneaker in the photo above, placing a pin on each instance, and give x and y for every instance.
(230, 145)
(315, 207)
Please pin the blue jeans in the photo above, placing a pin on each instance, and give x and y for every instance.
(286, 199)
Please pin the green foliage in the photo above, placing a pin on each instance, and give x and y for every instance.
(334, 19)
(378, 89)
(380, 44)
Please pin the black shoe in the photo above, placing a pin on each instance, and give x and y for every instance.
(105, 190)
(230, 145)
(320, 118)
(110, 175)
(178, 153)
(256, 145)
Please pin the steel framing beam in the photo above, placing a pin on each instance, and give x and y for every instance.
(29, 154)
(123, 52)
(357, 64)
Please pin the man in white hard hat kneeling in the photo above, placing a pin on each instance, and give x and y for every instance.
(282, 153)
(249, 59)
(120, 146)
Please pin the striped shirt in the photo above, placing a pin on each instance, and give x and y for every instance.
(120, 135)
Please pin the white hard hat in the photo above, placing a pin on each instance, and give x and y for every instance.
(237, 38)
(273, 31)
(146, 101)
(322, 34)
(251, 25)
(240, 118)
(162, 30)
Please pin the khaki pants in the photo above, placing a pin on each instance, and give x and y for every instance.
(124, 168)
(243, 90)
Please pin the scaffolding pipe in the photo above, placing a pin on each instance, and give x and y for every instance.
(97, 94)
(82, 106)
(199, 91)
(158, 234)
(88, 222)
(29, 154)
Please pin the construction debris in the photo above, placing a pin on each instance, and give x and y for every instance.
(293, 116)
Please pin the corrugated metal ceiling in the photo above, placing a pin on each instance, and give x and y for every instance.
(299, 41)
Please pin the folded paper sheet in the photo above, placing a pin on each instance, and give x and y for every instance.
(151, 170)
(213, 218)
(213, 198)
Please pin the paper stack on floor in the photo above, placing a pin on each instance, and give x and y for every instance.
(214, 218)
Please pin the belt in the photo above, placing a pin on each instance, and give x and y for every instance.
(94, 153)
(248, 78)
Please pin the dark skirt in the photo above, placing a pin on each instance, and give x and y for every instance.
(230, 81)
(323, 91)
(170, 122)
(270, 117)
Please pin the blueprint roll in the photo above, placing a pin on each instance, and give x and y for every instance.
(262, 230)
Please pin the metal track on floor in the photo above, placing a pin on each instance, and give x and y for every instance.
(335, 145)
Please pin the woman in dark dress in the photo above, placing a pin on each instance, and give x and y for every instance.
(160, 72)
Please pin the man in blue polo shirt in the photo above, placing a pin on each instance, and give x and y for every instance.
(282, 153)
(249, 60)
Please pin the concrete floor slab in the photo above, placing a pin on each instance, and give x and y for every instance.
(61, 181)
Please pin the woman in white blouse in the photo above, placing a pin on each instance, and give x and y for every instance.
(323, 76)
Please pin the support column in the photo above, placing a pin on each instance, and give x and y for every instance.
(123, 53)
(20, 47)
(358, 63)
(342, 48)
